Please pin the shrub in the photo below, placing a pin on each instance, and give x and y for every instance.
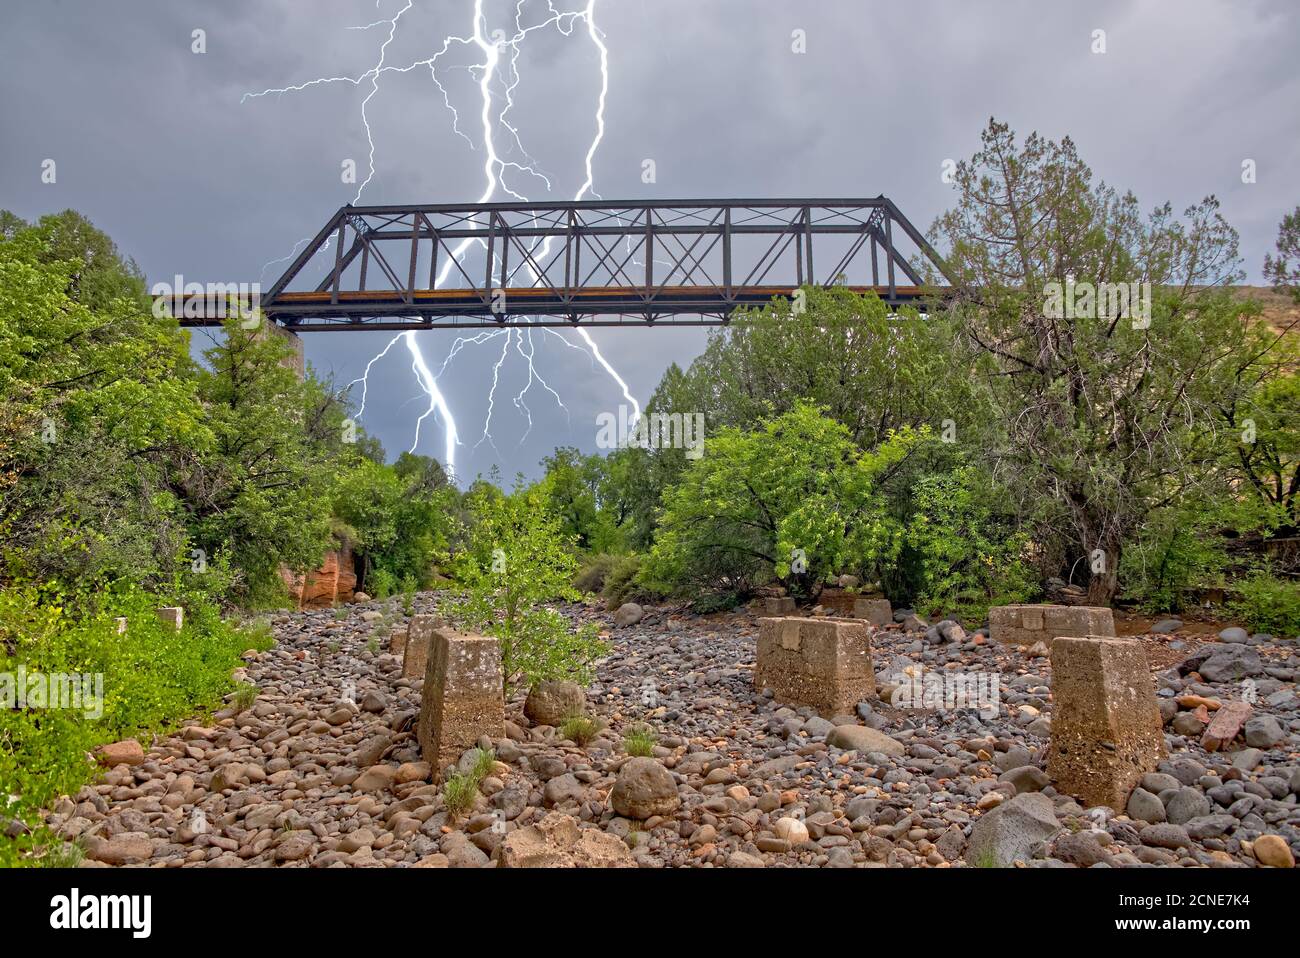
(519, 562)
(621, 582)
(382, 583)
(716, 602)
(1268, 604)
(792, 499)
(1176, 550)
(595, 572)
(969, 555)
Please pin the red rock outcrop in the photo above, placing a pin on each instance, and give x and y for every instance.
(334, 582)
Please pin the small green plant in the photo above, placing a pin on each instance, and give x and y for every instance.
(372, 645)
(985, 858)
(640, 740)
(257, 634)
(333, 646)
(245, 696)
(484, 763)
(340, 613)
(382, 583)
(63, 855)
(579, 729)
(459, 792)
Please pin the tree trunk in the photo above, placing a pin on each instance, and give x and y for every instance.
(1103, 584)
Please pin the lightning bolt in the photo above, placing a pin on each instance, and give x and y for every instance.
(492, 68)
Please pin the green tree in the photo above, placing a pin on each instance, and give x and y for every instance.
(519, 562)
(98, 402)
(262, 492)
(1283, 270)
(793, 500)
(1107, 416)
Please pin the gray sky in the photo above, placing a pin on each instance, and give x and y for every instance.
(152, 142)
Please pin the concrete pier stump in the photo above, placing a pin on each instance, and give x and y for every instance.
(820, 663)
(463, 698)
(1106, 728)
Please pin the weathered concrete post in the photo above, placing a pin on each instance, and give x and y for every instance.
(172, 615)
(1028, 624)
(779, 605)
(463, 698)
(821, 663)
(419, 633)
(1106, 728)
(877, 612)
(397, 641)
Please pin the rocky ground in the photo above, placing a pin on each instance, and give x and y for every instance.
(323, 769)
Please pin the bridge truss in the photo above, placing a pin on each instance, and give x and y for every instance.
(594, 263)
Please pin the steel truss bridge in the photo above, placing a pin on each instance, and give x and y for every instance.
(589, 263)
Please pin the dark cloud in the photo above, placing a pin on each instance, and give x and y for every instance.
(154, 144)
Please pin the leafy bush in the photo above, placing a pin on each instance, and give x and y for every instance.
(793, 500)
(381, 583)
(1268, 604)
(970, 555)
(712, 602)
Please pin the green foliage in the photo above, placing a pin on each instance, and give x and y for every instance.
(459, 792)
(640, 740)
(594, 572)
(244, 697)
(152, 678)
(579, 729)
(969, 552)
(518, 561)
(401, 520)
(1268, 604)
(712, 602)
(484, 762)
(1175, 550)
(1283, 270)
(381, 583)
(795, 483)
(622, 583)
(1103, 418)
